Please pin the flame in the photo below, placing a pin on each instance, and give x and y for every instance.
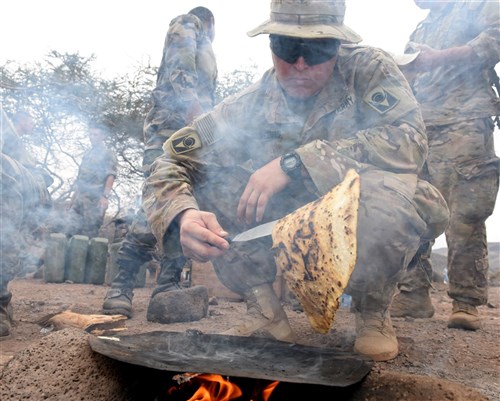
(215, 388)
(266, 393)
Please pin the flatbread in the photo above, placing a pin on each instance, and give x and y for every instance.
(315, 248)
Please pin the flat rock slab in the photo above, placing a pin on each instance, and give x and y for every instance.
(251, 357)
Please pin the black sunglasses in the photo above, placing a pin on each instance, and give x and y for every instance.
(314, 51)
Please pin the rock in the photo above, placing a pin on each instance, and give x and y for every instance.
(186, 305)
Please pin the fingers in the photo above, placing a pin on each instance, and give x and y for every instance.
(252, 206)
(202, 238)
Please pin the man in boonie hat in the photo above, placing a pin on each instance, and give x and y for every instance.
(326, 107)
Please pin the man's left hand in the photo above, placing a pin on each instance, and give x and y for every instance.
(262, 185)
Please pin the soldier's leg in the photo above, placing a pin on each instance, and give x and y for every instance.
(9, 267)
(137, 248)
(388, 236)
(11, 223)
(413, 298)
(92, 215)
(465, 169)
(249, 269)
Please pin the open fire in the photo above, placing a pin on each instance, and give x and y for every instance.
(213, 387)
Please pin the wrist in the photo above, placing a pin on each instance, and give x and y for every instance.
(291, 165)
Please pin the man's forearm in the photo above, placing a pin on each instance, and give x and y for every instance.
(108, 186)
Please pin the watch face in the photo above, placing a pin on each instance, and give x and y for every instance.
(290, 162)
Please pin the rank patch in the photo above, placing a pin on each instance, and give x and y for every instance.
(381, 100)
(185, 141)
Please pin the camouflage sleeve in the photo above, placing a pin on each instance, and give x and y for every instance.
(11, 143)
(167, 192)
(487, 44)
(178, 65)
(392, 135)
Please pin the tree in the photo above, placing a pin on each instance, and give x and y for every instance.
(63, 93)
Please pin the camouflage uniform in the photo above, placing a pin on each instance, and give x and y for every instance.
(98, 163)
(22, 191)
(457, 103)
(187, 74)
(364, 118)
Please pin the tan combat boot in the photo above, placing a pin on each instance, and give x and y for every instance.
(264, 313)
(375, 336)
(464, 316)
(416, 304)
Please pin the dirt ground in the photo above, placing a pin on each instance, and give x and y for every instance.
(435, 363)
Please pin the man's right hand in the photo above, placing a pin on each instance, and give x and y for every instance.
(201, 236)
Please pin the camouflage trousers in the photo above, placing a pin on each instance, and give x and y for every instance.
(390, 229)
(21, 194)
(140, 246)
(86, 216)
(463, 166)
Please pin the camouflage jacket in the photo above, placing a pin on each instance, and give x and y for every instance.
(458, 92)
(187, 73)
(12, 145)
(19, 170)
(364, 118)
(98, 163)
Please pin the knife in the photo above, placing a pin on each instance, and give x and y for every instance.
(259, 231)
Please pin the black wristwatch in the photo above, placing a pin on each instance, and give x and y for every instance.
(291, 164)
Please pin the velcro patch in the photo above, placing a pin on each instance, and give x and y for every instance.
(381, 100)
(184, 141)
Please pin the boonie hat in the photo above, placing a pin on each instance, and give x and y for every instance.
(309, 19)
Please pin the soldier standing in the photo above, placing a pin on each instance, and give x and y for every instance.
(96, 176)
(327, 106)
(452, 78)
(185, 88)
(23, 193)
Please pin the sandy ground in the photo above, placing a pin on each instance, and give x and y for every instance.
(434, 362)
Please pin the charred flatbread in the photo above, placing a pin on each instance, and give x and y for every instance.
(315, 249)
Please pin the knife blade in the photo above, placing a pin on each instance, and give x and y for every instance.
(259, 231)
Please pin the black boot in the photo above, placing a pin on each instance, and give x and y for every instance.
(170, 275)
(5, 314)
(118, 299)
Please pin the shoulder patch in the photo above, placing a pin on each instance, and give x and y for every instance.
(381, 100)
(184, 141)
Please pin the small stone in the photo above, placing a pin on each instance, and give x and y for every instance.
(186, 305)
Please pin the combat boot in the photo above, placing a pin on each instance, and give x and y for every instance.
(118, 301)
(416, 304)
(5, 315)
(464, 316)
(375, 336)
(264, 314)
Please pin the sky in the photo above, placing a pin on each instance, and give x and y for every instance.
(123, 34)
